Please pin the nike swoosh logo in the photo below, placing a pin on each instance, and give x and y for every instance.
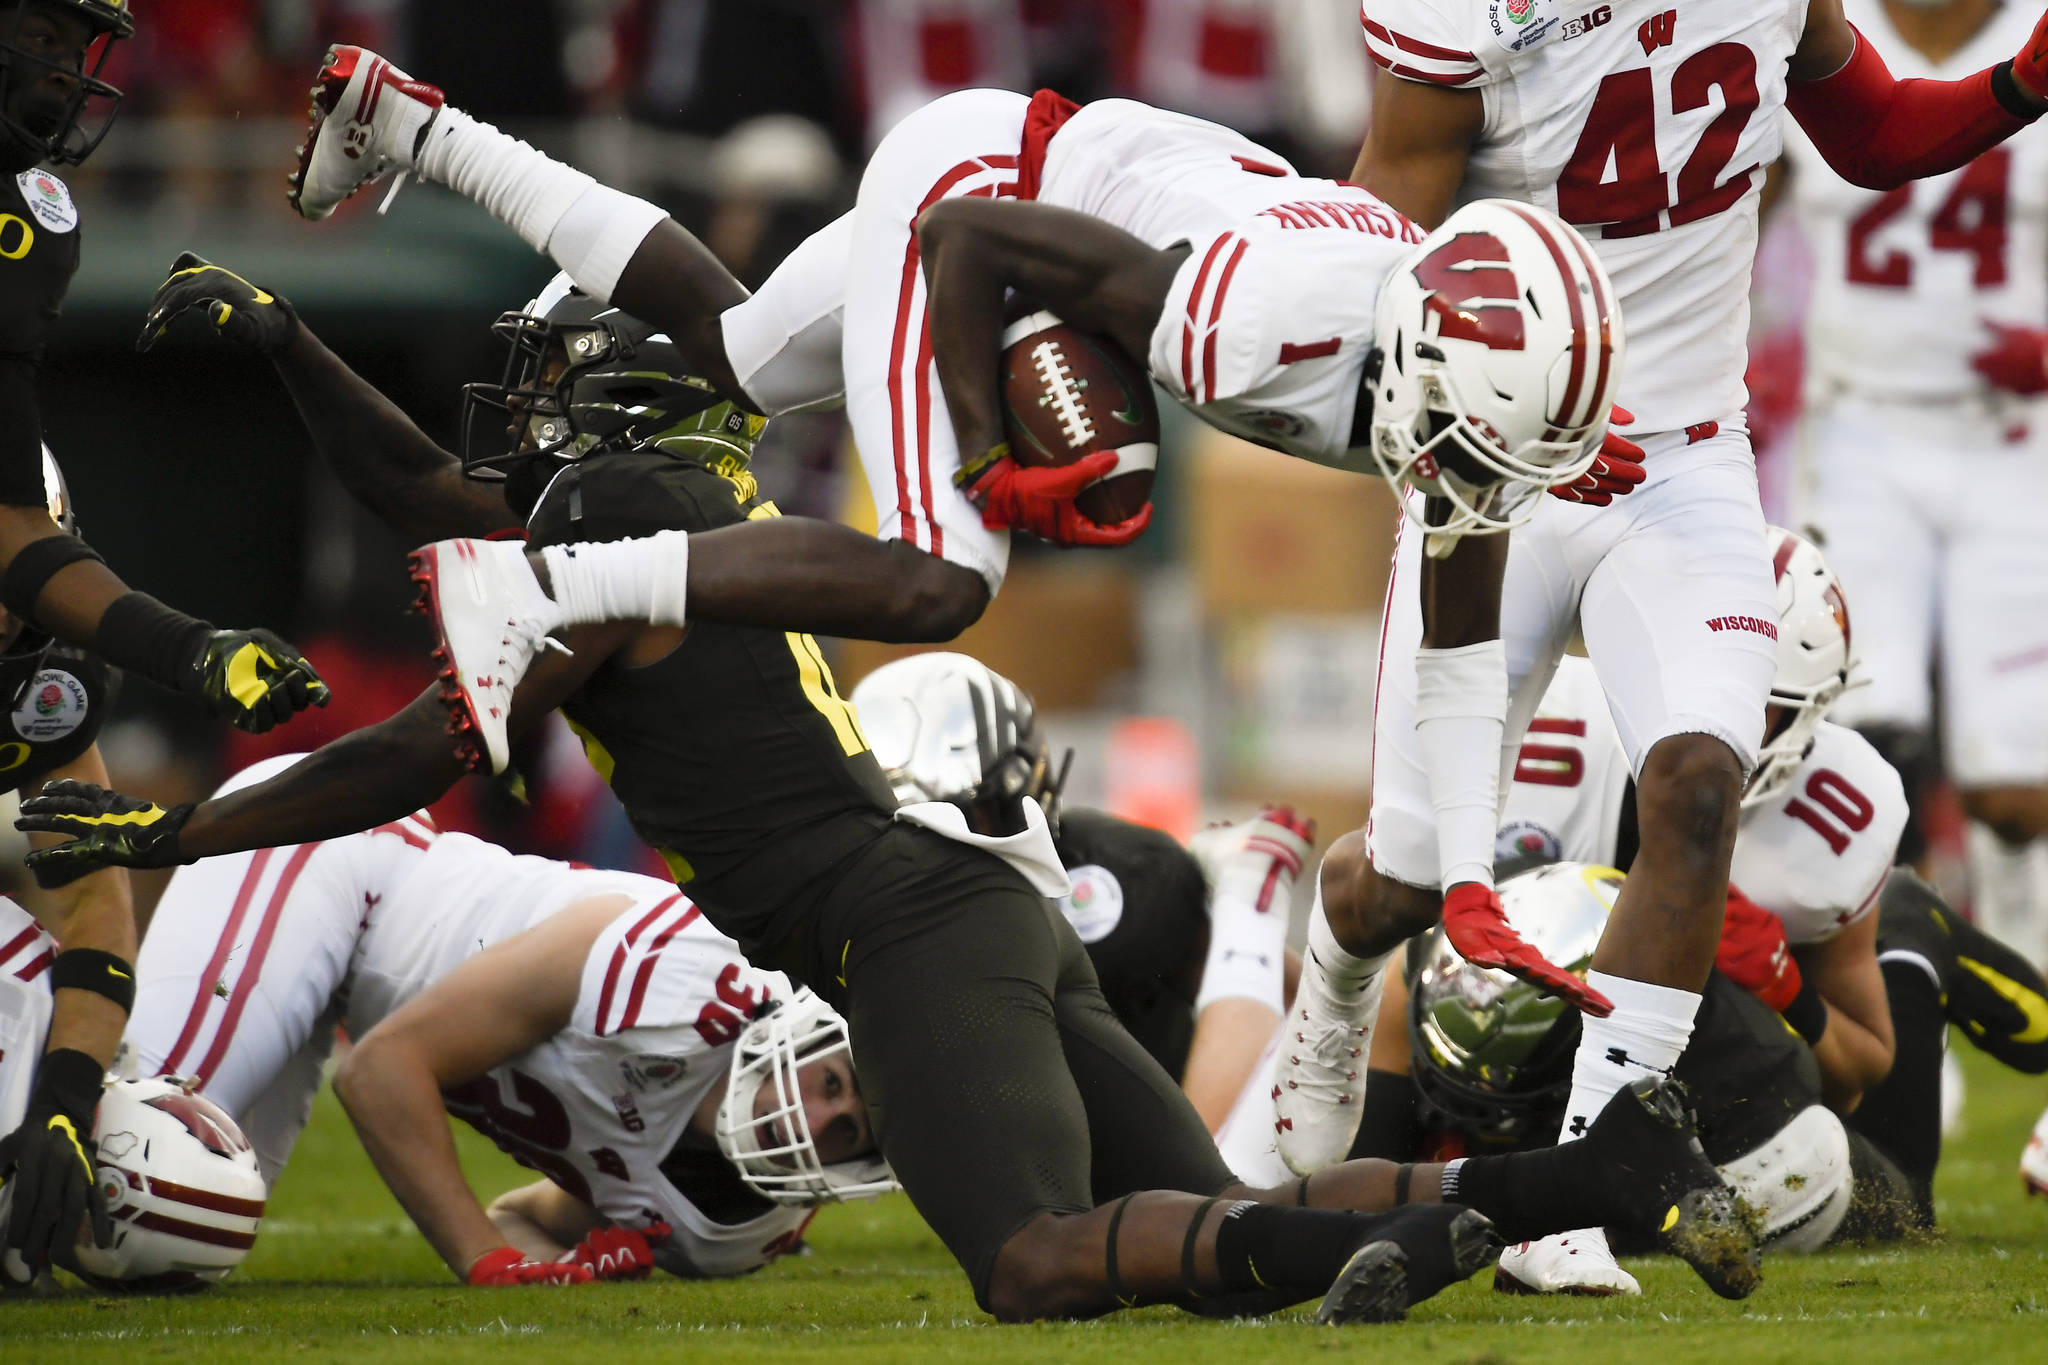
(116, 971)
(2028, 1003)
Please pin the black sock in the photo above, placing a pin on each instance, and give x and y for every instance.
(1389, 1128)
(1533, 1194)
(1901, 1114)
(1280, 1247)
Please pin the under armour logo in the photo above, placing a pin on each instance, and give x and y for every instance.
(1579, 1125)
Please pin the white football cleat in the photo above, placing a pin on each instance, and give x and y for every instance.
(492, 618)
(1319, 1074)
(1564, 1263)
(2034, 1159)
(1260, 858)
(366, 117)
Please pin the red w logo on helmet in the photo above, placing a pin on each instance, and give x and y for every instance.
(1472, 291)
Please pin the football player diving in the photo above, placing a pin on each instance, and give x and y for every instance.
(1254, 295)
(1059, 1163)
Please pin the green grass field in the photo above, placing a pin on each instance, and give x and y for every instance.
(340, 1275)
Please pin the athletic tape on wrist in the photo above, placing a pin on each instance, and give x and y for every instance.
(102, 973)
(35, 565)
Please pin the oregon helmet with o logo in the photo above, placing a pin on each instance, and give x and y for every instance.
(1492, 1055)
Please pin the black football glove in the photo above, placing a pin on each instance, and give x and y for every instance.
(46, 1164)
(246, 314)
(254, 680)
(106, 828)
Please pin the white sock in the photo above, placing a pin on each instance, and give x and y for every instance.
(1646, 1034)
(1341, 976)
(621, 580)
(2009, 892)
(590, 229)
(1248, 933)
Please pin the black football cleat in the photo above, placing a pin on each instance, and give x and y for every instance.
(1662, 1184)
(1412, 1254)
(1994, 995)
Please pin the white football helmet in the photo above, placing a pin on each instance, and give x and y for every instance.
(1814, 657)
(786, 1168)
(946, 727)
(1501, 348)
(181, 1184)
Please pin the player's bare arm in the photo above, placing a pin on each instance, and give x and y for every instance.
(1879, 132)
(497, 1005)
(378, 774)
(1855, 1052)
(95, 912)
(1093, 275)
(1416, 148)
(379, 454)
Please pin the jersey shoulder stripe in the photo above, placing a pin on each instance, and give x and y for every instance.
(626, 952)
(1410, 39)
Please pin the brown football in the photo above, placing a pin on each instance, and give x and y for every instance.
(1069, 393)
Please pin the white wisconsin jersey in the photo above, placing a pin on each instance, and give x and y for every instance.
(601, 1107)
(1934, 259)
(1817, 852)
(1266, 328)
(1570, 777)
(1646, 127)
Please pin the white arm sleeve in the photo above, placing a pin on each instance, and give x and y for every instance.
(1461, 705)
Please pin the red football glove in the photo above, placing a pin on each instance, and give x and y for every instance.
(1615, 473)
(2030, 64)
(1479, 930)
(619, 1253)
(2016, 360)
(1753, 952)
(1041, 500)
(511, 1266)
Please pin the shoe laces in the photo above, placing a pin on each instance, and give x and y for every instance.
(1325, 1056)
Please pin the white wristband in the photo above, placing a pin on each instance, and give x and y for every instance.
(1461, 704)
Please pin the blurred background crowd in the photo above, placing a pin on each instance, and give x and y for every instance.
(1225, 660)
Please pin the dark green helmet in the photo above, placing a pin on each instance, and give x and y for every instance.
(1492, 1055)
(583, 377)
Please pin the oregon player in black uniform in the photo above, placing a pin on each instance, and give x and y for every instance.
(54, 697)
(51, 54)
(1058, 1162)
(54, 109)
